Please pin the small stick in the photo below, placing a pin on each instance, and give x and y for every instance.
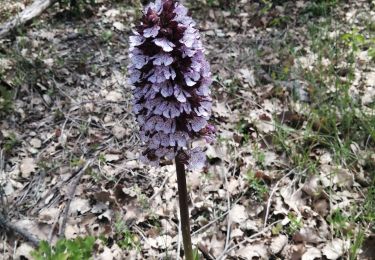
(31, 12)
(160, 188)
(205, 252)
(50, 236)
(22, 232)
(270, 198)
(70, 198)
(184, 209)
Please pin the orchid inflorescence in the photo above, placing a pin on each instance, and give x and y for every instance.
(171, 80)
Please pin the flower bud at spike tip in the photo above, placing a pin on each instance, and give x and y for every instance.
(171, 80)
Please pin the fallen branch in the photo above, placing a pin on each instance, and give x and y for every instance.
(70, 198)
(22, 232)
(32, 11)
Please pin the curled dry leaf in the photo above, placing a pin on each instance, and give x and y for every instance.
(321, 207)
(278, 244)
(112, 157)
(113, 96)
(119, 26)
(312, 186)
(343, 178)
(370, 79)
(161, 242)
(293, 198)
(106, 254)
(24, 251)
(238, 214)
(217, 245)
(236, 233)
(337, 176)
(248, 76)
(307, 235)
(258, 251)
(119, 132)
(312, 253)
(335, 248)
(79, 205)
(27, 167)
(48, 215)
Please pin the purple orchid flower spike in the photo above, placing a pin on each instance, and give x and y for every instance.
(171, 80)
(172, 102)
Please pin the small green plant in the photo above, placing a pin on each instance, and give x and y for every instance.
(340, 223)
(257, 185)
(276, 230)
(266, 6)
(101, 158)
(320, 7)
(369, 205)
(77, 6)
(73, 249)
(6, 101)
(127, 239)
(260, 157)
(10, 142)
(196, 255)
(233, 85)
(243, 128)
(356, 245)
(141, 197)
(76, 161)
(294, 225)
(106, 35)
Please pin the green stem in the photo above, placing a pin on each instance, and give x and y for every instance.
(184, 209)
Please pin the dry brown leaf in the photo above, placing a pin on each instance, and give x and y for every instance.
(308, 235)
(114, 96)
(48, 215)
(119, 132)
(335, 248)
(162, 242)
(27, 167)
(312, 253)
(106, 254)
(79, 205)
(119, 26)
(216, 245)
(24, 251)
(293, 198)
(112, 157)
(278, 244)
(36, 143)
(258, 251)
(370, 78)
(248, 76)
(312, 186)
(238, 214)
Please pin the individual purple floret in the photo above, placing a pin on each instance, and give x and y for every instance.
(171, 80)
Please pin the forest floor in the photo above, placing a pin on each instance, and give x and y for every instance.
(290, 176)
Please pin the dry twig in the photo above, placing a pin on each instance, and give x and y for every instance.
(272, 193)
(72, 192)
(31, 12)
(22, 232)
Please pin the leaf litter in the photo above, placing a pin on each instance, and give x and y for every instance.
(75, 106)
